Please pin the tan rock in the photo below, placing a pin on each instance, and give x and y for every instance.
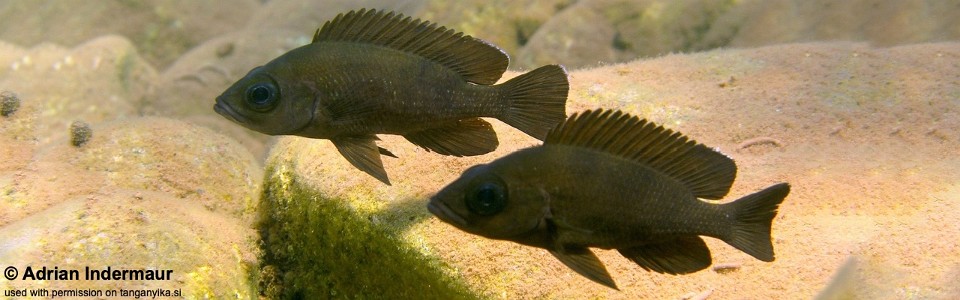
(201, 253)
(145, 193)
(152, 154)
(305, 16)
(509, 24)
(597, 32)
(161, 29)
(101, 80)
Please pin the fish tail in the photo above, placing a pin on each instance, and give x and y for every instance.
(753, 216)
(536, 100)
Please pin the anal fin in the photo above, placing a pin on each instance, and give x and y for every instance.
(362, 152)
(467, 137)
(584, 262)
(384, 151)
(680, 256)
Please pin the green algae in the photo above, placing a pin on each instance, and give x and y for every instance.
(313, 247)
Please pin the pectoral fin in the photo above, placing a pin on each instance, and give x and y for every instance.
(362, 152)
(563, 226)
(586, 263)
(465, 137)
(680, 256)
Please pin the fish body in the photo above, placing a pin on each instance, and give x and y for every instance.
(607, 180)
(373, 72)
(384, 91)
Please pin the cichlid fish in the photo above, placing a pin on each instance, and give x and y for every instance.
(370, 72)
(609, 180)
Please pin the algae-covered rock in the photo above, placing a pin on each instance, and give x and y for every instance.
(866, 136)
(9, 103)
(315, 246)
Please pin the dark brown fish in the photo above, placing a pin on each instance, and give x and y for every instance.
(370, 72)
(609, 180)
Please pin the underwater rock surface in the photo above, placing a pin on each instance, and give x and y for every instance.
(101, 80)
(866, 135)
(597, 32)
(509, 24)
(138, 193)
(575, 33)
(147, 193)
(161, 29)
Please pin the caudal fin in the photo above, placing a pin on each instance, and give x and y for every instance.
(537, 100)
(753, 216)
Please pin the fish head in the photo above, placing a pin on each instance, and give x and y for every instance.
(483, 201)
(265, 101)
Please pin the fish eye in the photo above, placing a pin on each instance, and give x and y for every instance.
(262, 96)
(487, 199)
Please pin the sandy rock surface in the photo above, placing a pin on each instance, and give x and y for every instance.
(140, 193)
(104, 79)
(161, 29)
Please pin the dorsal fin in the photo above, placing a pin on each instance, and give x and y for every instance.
(708, 174)
(477, 61)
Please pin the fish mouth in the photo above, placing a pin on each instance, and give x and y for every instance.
(224, 109)
(445, 214)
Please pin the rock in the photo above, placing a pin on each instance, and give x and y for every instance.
(209, 254)
(147, 193)
(506, 24)
(80, 133)
(595, 32)
(153, 154)
(9, 103)
(305, 16)
(881, 23)
(862, 190)
(101, 80)
(161, 29)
